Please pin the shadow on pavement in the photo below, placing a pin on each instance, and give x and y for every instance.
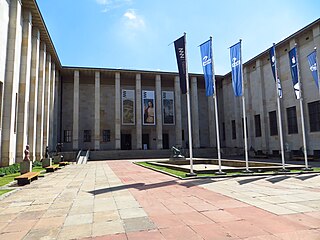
(143, 186)
(277, 179)
(305, 177)
(249, 180)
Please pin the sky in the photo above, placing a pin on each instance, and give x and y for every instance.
(136, 34)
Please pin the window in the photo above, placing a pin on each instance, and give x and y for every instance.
(314, 116)
(106, 135)
(87, 135)
(223, 131)
(273, 123)
(292, 120)
(234, 133)
(257, 125)
(182, 133)
(67, 136)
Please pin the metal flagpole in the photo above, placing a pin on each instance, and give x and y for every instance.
(318, 70)
(244, 116)
(188, 110)
(216, 111)
(302, 115)
(279, 110)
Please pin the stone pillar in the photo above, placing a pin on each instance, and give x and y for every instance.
(177, 98)
(33, 96)
(117, 112)
(211, 123)
(316, 39)
(158, 112)
(56, 111)
(40, 103)
(47, 102)
(138, 111)
(195, 113)
(24, 86)
(11, 84)
(52, 134)
(97, 111)
(75, 127)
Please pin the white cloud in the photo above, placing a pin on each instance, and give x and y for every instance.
(113, 4)
(133, 21)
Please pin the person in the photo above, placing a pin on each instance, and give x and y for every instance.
(149, 113)
(26, 154)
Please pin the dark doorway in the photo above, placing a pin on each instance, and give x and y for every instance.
(165, 141)
(126, 141)
(145, 141)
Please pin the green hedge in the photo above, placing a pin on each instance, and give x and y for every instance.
(14, 168)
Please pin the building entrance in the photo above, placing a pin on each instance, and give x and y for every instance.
(145, 141)
(126, 142)
(165, 141)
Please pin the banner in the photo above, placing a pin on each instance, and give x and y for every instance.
(272, 54)
(168, 107)
(294, 72)
(236, 68)
(312, 59)
(206, 56)
(148, 108)
(180, 48)
(128, 109)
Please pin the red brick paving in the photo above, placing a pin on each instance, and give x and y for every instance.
(183, 210)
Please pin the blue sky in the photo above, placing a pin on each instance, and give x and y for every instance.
(134, 34)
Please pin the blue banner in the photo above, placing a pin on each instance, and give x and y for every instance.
(180, 48)
(312, 59)
(206, 56)
(236, 68)
(294, 71)
(272, 54)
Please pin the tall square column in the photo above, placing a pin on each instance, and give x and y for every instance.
(24, 85)
(177, 98)
(138, 112)
(158, 112)
(97, 111)
(33, 96)
(52, 133)
(195, 113)
(47, 102)
(117, 112)
(75, 127)
(40, 107)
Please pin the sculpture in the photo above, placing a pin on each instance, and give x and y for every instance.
(176, 152)
(26, 154)
(46, 155)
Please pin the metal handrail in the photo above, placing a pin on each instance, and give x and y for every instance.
(78, 156)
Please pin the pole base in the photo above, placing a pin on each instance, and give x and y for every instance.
(284, 170)
(247, 171)
(307, 169)
(191, 174)
(220, 173)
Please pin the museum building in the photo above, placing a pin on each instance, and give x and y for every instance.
(108, 110)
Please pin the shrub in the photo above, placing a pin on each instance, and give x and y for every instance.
(14, 168)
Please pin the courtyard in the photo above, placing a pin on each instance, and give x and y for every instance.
(120, 200)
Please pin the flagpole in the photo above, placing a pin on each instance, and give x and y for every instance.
(216, 112)
(244, 115)
(302, 116)
(318, 72)
(188, 110)
(279, 111)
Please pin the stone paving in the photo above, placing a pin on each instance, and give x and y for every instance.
(119, 200)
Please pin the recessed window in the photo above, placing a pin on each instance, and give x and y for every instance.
(234, 132)
(273, 123)
(292, 120)
(67, 136)
(106, 135)
(87, 135)
(257, 125)
(314, 116)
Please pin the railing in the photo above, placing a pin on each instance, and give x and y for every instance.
(78, 157)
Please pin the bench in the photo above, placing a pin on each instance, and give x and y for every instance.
(51, 168)
(63, 164)
(27, 178)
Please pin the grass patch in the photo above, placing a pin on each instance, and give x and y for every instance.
(8, 179)
(165, 169)
(3, 191)
(183, 174)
